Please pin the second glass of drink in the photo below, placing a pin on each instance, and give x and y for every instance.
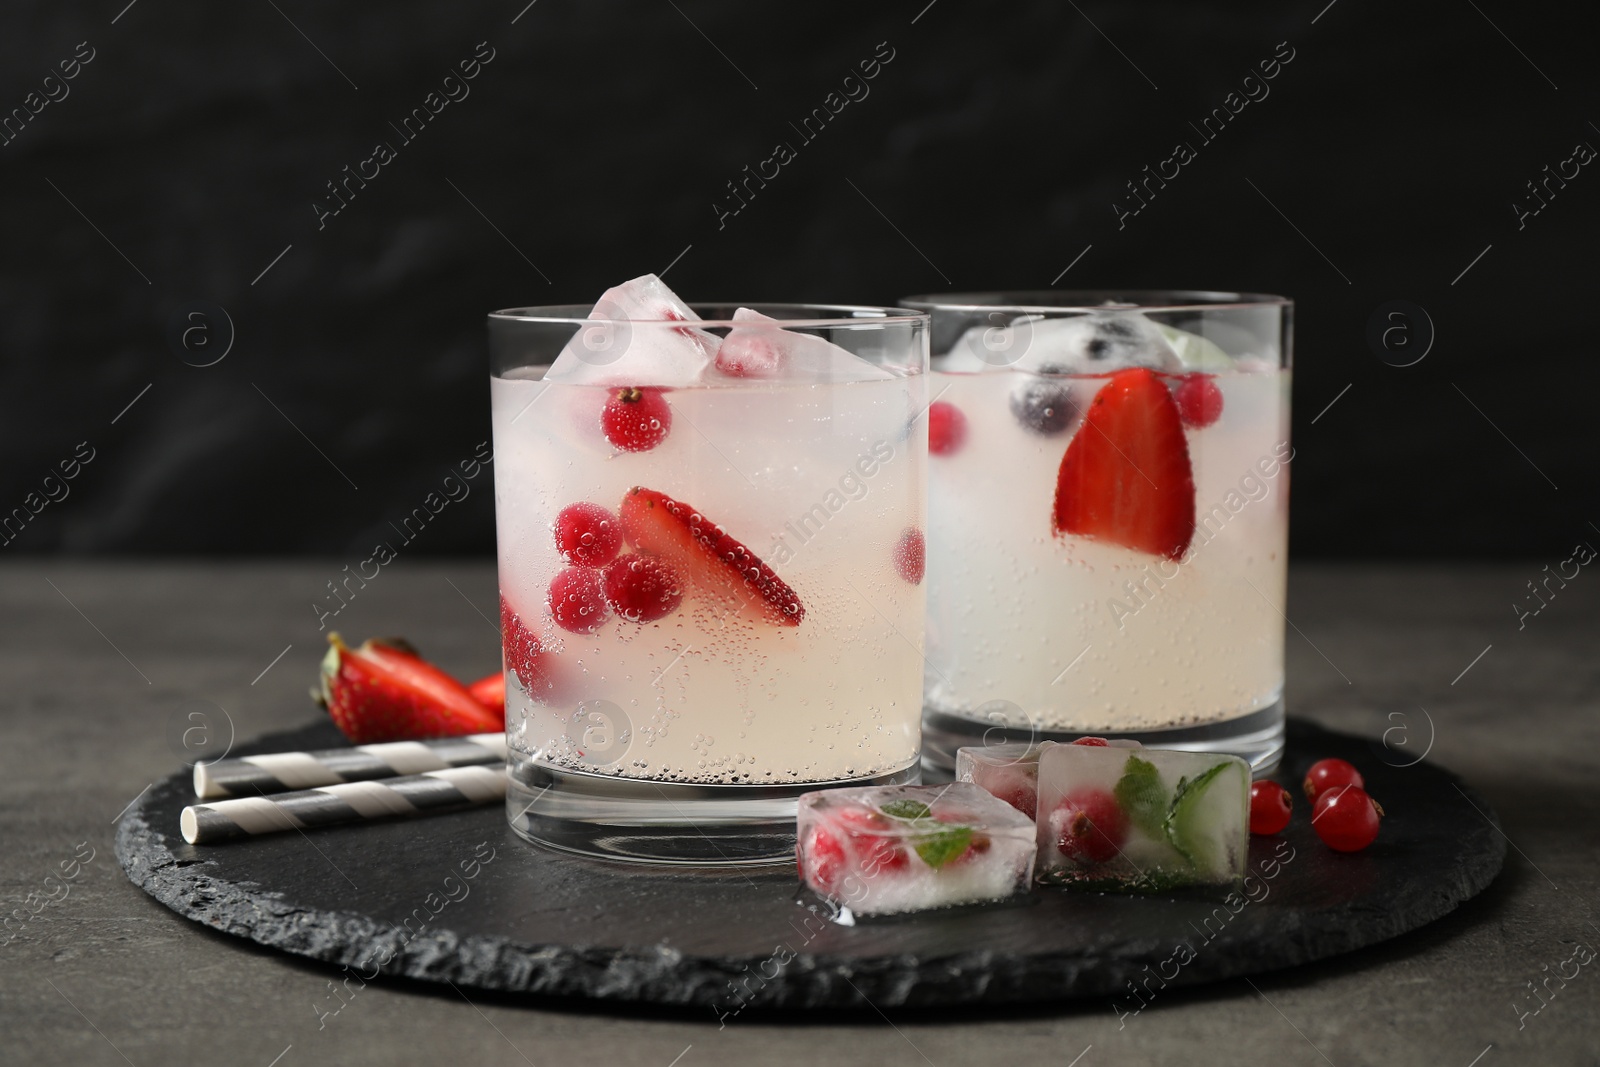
(1108, 520)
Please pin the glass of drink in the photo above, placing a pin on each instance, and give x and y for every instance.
(1108, 520)
(710, 543)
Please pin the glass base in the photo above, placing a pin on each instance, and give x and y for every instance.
(663, 822)
(1256, 738)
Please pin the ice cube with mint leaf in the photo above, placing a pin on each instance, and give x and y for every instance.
(880, 850)
(1148, 820)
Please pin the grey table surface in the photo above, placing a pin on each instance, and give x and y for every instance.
(102, 663)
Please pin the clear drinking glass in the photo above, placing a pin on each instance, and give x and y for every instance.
(758, 634)
(1108, 520)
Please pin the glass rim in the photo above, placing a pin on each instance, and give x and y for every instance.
(1047, 301)
(861, 315)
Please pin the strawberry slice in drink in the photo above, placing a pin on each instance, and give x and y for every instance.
(535, 666)
(659, 525)
(1126, 477)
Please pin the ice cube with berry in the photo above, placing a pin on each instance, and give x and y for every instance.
(1141, 820)
(759, 346)
(1011, 771)
(880, 850)
(620, 347)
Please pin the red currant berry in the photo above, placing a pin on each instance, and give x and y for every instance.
(826, 858)
(1199, 401)
(1270, 804)
(642, 588)
(587, 535)
(1326, 774)
(1092, 742)
(1024, 796)
(880, 854)
(876, 850)
(1088, 824)
(1346, 818)
(947, 428)
(575, 600)
(910, 556)
(635, 419)
(751, 354)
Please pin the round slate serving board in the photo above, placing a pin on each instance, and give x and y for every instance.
(459, 898)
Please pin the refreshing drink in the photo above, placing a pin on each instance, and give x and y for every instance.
(1108, 518)
(705, 606)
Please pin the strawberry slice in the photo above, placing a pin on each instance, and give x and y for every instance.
(490, 691)
(1126, 477)
(655, 523)
(534, 665)
(385, 691)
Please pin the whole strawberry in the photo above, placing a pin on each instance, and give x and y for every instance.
(490, 691)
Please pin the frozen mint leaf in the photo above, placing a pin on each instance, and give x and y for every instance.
(939, 849)
(1140, 794)
(906, 808)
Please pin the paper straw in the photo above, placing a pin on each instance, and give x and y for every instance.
(280, 772)
(421, 794)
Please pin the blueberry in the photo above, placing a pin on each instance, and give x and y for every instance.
(1044, 406)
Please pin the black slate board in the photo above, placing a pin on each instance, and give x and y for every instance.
(539, 922)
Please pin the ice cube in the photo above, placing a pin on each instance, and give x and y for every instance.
(1011, 771)
(1096, 343)
(1196, 352)
(619, 351)
(995, 344)
(759, 347)
(884, 849)
(960, 360)
(1141, 820)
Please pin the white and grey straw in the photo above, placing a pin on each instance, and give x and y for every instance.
(420, 794)
(251, 776)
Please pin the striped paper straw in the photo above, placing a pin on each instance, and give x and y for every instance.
(421, 794)
(280, 772)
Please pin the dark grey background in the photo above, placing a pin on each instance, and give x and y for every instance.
(189, 152)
